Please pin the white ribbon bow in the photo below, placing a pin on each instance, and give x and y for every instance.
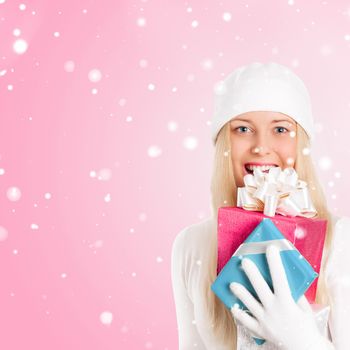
(276, 192)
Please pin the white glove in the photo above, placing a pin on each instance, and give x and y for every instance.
(278, 318)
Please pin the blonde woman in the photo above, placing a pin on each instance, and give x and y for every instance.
(262, 119)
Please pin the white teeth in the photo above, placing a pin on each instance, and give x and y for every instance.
(262, 168)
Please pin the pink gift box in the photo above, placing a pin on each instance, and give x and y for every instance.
(307, 235)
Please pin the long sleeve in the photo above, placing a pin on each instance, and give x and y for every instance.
(189, 337)
(338, 283)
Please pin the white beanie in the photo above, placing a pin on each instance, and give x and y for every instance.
(262, 87)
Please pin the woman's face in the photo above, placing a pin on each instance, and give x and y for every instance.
(261, 139)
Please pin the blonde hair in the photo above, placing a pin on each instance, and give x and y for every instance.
(223, 193)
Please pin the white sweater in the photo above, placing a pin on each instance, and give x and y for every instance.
(190, 253)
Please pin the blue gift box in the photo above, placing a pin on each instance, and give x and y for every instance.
(299, 272)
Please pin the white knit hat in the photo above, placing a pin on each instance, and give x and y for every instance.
(262, 87)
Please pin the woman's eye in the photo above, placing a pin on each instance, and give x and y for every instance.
(242, 129)
(281, 129)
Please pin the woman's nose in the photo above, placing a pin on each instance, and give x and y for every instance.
(261, 147)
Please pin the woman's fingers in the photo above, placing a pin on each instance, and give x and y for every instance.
(277, 272)
(247, 299)
(258, 282)
(247, 321)
(304, 304)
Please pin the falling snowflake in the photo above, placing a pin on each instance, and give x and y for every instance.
(47, 195)
(290, 161)
(143, 63)
(104, 174)
(96, 244)
(194, 24)
(95, 75)
(20, 46)
(306, 151)
(13, 194)
(122, 102)
(299, 232)
(106, 318)
(69, 66)
(172, 126)
(227, 16)
(207, 64)
(142, 216)
(3, 233)
(325, 163)
(154, 151)
(141, 22)
(190, 143)
(16, 32)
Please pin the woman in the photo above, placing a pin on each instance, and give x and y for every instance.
(262, 118)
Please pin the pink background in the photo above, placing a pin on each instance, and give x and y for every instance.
(109, 171)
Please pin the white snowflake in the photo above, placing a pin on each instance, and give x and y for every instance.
(69, 66)
(95, 75)
(13, 194)
(172, 126)
(20, 46)
(154, 151)
(3, 233)
(324, 163)
(190, 142)
(194, 24)
(226, 16)
(106, 318)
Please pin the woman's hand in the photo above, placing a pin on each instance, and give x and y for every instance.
(278, 318)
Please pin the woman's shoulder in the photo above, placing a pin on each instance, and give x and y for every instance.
(339, 258)
(195, 237)
(341, 228)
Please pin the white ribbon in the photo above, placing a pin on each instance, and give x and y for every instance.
(276, 192)
(260, 247)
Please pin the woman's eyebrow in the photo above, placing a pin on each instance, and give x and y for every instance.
(241, 120)
(282, 120)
